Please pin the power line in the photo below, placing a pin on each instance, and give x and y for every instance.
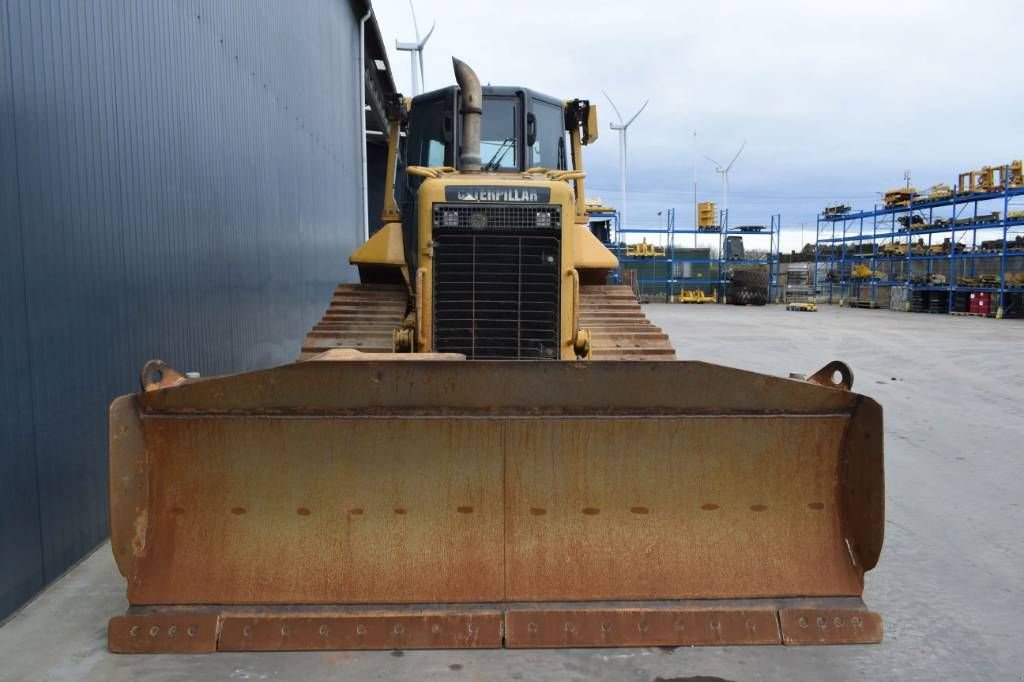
(680, 193)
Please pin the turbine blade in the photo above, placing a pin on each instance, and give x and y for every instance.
(415, 26)
(427, 37)
(639, 111)
(423, 80)
(737, 155)
(613, 106)
(718, 166)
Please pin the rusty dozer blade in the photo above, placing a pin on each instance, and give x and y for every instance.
(443, 503)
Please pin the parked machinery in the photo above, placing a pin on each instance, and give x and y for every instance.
(900, 248)
(861, 271)
(990, 245)
(900, 197)
(477, 482)
(911, 222)
(836, 211)
(938, 193)
(992, 178)
(945, 246)
(644, 250)
(1016, 174)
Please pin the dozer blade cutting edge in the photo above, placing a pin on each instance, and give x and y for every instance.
(437, 503)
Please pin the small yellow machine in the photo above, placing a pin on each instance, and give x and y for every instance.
(900, 197)
(938, 193)
(645, 250)
(697, 296)
(1016, 174)
(860, 271)
(808, 306)
(445, 467)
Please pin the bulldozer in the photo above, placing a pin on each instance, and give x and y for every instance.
(484, 445)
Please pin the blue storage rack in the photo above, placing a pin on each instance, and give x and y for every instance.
(674, 284)
(835, 234)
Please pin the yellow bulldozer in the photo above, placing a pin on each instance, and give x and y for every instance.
(485, 445)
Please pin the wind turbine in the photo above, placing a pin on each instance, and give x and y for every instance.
(623, 128)
(415, 51)
(725, 180)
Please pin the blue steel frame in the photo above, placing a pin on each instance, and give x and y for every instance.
(958, 203)
(674, 284)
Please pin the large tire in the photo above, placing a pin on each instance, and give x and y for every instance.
(748, 287)
(755, 279)
(741, 295)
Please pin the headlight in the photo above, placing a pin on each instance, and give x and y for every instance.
(478, 220)
(450, 218)
(543, 219)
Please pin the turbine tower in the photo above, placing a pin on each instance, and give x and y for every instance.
(725, 181)
(623, 129)
(415, 50)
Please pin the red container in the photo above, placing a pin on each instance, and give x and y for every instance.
(981, 302)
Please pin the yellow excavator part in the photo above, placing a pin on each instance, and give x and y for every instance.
(645, 250)
(444, 503)
(697, 296)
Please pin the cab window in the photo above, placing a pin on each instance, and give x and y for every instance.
(426, 142)
(548, 148)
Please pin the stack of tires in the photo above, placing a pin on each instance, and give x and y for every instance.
(938, 302)
(919, 301)
(748, 287)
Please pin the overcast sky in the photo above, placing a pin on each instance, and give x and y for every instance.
(836, 100)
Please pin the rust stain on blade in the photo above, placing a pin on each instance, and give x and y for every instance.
(239, 482)
(758, 538)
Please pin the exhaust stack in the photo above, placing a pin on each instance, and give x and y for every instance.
(472, 102)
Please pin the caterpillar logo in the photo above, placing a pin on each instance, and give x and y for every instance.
(498, 194)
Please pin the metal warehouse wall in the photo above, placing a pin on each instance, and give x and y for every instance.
(177, 180)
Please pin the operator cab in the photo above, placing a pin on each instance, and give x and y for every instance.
(520, 129)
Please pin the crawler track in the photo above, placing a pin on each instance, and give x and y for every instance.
(618, 327)
(360, 316)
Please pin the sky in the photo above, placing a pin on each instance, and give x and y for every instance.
(835, 100)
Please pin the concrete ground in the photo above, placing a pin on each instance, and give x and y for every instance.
(950, 584)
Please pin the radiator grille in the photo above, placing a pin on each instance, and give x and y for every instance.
(496, 297)
(499, 218)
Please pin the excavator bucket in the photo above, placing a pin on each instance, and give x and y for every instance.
(440, 503)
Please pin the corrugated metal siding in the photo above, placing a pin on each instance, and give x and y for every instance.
(179, 180)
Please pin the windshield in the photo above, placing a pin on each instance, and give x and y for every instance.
(499, 133)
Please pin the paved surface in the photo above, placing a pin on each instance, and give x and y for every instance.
(950, 584)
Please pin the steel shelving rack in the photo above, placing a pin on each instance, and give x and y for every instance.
(674, 284)
(864, 229)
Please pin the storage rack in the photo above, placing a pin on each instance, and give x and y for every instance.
(673, 284)
(864, 230)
